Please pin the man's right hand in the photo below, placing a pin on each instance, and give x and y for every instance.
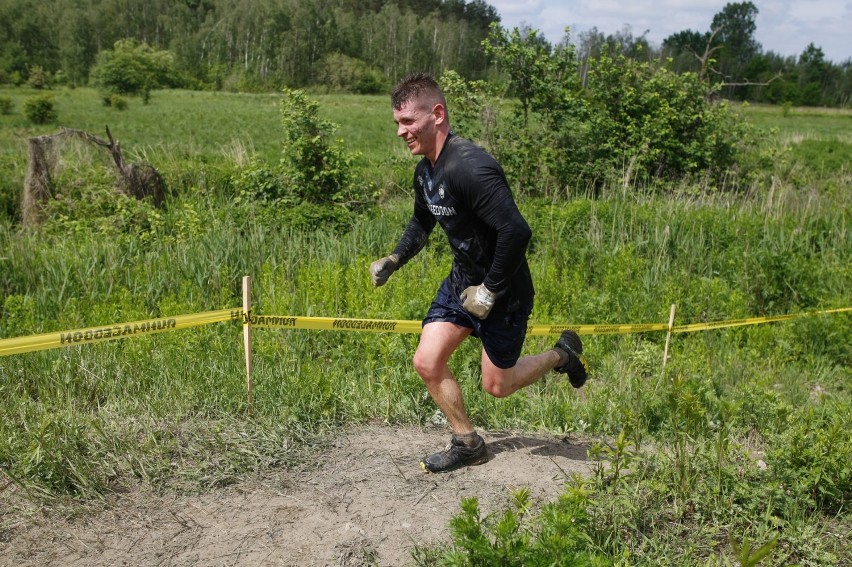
(382, 269)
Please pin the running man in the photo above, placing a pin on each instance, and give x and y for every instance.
(489, 291)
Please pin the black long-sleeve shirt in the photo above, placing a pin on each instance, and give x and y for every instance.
(466, 192)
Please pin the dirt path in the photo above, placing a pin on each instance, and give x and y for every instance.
(363, 502)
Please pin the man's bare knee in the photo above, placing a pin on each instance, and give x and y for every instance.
(425, 367)
(496, 388)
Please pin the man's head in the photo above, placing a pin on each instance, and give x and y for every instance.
(420, 112)
(421, 87)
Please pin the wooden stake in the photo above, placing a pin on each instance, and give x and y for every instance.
(669, 336)
(247, 340)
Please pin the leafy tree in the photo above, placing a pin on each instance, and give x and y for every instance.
(733, 31)
(812, 73)
(530, 63)
(635, 120)
(26, 37)
(686, 49)
(78, 46)
(133, 68)
(467, 101)
(260, 45)
(545, 81)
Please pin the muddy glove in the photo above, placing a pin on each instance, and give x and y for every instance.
(382, 269)
(478, 300)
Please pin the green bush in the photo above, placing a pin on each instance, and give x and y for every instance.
(811, 458)
(6, 105)
(631, 120)
(266, 195)
(467, 102)
(655, 123)
(341, 73)
(370, 82)
(316, 183)
(118, 102)
(37, 77)
(86, 203)
(317, 166)
(39, 109)
(558, 535)
(133, 68)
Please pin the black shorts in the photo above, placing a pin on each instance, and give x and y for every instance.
(502, 333)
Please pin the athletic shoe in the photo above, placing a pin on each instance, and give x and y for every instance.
(456, 455)
(576, 367)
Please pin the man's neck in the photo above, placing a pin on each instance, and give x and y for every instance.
(440, 141)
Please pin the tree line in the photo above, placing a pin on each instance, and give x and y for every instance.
(729, 57)
(363, 46)
(249, 44)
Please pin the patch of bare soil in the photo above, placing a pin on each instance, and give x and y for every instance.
(363, 501)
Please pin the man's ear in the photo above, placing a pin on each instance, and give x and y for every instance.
(440, 113)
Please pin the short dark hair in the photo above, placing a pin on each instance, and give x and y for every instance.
(418, 85)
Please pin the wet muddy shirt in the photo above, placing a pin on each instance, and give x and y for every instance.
(466, 192)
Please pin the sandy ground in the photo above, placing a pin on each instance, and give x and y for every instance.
(364, 501)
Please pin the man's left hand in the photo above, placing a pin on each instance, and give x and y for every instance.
(478, 301)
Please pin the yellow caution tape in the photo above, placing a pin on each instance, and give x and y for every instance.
(112, 332)
(161, 325)
(753, 321)
(408, 326)
(335, 324)
(545, 330)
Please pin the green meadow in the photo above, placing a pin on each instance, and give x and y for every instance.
(745, 433)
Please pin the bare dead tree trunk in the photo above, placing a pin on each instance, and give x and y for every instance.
(37, 185)
(134, 180)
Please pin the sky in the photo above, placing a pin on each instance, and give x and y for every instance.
(785, 27)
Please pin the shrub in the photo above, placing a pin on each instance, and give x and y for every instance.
(556, 536)
(629, 120)
(467, 101)
(5, 105)
(37, 78)
(658, 122)
(118, 102)
(343, 73)
(811, 458)
(318, 166)
(133, 68)
(314, 185)
(39, 109)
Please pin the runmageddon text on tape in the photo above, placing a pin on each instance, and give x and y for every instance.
(110, 332)
(328, 323)
(409, 326)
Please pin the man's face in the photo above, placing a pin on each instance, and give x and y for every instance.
(416, 125)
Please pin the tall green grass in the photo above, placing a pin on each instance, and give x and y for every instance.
(593, 262)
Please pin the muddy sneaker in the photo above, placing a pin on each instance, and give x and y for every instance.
(576, 367)
(456, 455)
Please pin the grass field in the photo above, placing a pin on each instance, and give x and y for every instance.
(208, 124)
(82, 421)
